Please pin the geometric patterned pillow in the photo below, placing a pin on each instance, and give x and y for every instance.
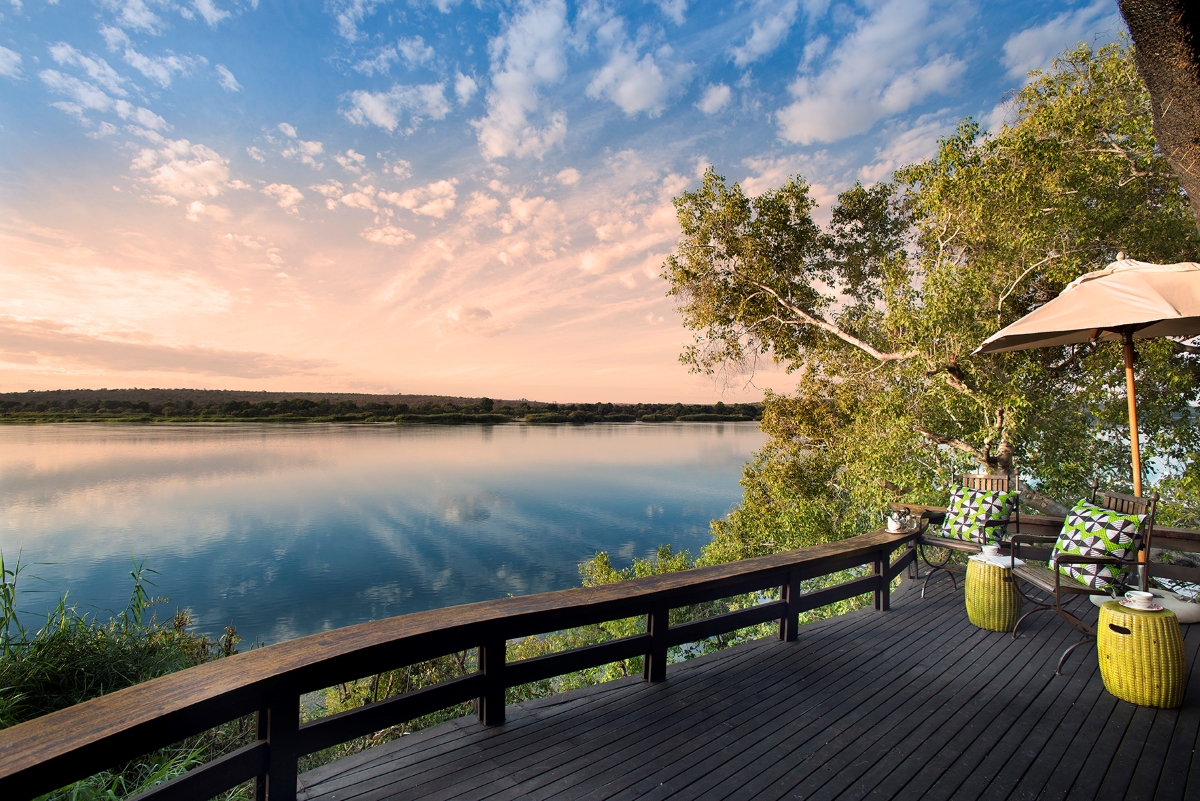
(978, 515)
(1092, 530)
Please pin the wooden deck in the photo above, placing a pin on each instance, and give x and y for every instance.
(911, 704)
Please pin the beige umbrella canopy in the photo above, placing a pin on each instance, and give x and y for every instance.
(1127, 300)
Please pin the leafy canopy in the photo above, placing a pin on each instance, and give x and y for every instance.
(879, 314)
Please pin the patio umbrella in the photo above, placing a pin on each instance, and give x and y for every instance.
(1127, 300)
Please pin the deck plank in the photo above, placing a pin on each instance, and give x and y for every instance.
(912, 703)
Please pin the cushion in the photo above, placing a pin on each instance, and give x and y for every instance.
(1092, 530)
(970, 509)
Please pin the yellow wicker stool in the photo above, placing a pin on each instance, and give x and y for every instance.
(1141, 655)
(992, 601)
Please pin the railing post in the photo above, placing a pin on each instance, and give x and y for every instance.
(282, 730)
(883, 592)
(657, 622)
(492, 656)
(789, 624)
(262, 733)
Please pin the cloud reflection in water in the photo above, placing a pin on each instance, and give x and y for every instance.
(287, 530)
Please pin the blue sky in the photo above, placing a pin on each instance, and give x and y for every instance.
(453, 197)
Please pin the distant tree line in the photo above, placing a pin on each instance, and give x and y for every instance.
(483, 410)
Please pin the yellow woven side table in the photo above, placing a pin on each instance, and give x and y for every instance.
(992, 601)
(1141, 655)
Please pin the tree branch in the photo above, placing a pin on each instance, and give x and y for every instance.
(838, 332)
(957, 444)
(1020, 278)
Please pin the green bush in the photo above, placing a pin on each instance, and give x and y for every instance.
(544, 418)
(453, 419)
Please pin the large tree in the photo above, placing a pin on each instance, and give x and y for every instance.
(879, 315)
(1167, 36)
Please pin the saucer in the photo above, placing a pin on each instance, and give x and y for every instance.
(1149, 608)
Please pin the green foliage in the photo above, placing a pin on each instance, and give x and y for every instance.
(354, 694)
(75, 656)
(879, 315)
(454, 419)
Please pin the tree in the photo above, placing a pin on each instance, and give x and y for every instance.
(1167, 36)
(879, 315)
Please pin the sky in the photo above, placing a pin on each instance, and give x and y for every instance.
(439, 196)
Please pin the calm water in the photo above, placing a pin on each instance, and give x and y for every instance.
(287, 530)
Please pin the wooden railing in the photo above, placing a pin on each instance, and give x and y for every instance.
(71, 744)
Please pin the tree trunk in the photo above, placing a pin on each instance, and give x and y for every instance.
(1043, 503)
(1166, 38)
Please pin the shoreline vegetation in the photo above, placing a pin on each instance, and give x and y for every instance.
(223, 406)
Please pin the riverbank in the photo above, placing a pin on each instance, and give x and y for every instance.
(205, 406)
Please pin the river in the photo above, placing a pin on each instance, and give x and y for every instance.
(285, 530)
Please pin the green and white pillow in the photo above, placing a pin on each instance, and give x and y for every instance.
(971, 509)
(1092, 530)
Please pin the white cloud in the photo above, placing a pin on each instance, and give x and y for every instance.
(88, 97)
(181, 169)
(96, 68)
(1035, 47)
(197, 210)
(674, 10)
(159, 69)
(715, 98)
(381, 62)
(527, 55)
(226, 79)
(481, 204)
(287, 130)
(209, 11)
(773, 20)
(388, 235)
(464, 88)
(364, 199)
(886, 65)
(85, 95)
(634, 84)
(10, 63)
(568, 177)
(102, 130)
(305, 152)
(906, 145)
(389, 109)
(134, 15)
(768, 172)
(333, 189)
(286, 196)
(433, 200)
(351, 160)
(414, 51)
(349, 13)
(814, 50)
(256, 154)
(400, 168)
(142, 116)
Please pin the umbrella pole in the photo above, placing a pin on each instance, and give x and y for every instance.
(1133, 424)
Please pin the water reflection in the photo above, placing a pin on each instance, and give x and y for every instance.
(286, 530)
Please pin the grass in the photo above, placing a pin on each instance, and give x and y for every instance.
(75, 656)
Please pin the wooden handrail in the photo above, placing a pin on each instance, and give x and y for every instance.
(46, 753)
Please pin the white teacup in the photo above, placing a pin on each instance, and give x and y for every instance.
(1141, 600)
(991, 550)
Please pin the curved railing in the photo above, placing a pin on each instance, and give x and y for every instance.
(65, 746)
